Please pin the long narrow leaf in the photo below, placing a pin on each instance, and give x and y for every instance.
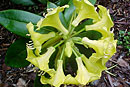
(16, 20)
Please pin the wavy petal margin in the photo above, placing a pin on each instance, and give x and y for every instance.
(52, 19)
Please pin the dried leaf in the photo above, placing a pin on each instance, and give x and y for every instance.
(122, 62)
(21, 83)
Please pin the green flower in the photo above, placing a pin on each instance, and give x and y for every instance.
(37, 38)
(52, 19)
(83, 75)
(85, 10)
(67, 43)
(58, 78)
(94, 68)
(104, 48)
(41, 61)
(104, 25)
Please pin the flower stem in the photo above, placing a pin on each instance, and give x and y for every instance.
(78, 32)
(75, 53)
(71, 20)
(59, 44)
(62, 53)
(76, 50)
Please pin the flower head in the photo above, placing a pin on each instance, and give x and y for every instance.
(67, 43)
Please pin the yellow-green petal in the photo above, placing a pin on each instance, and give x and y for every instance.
(97, 45)
(30, 55)
(104, 48)
(93, 67)
(58, 78)
(37, 38)
(85, 10)
(104, 25)
(45, 80)
(52, 19)
(83, 75)
(111, 49)
(70, 80)
(42, 61)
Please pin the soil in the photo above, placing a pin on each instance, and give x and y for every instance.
(24, 77)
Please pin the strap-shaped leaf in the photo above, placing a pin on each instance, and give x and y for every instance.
(43, 1)
(93, 35)
(93, 1)
(69, 12)
(23, 2)
(63, 2)
(16, 20)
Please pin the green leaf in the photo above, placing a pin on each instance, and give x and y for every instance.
(43, 1)
(63, 2)
(128, 33)
(86, 51)
(69, 11)
(93, 35)
(51, 5)
(121, 32)
(63, 20)
(81, 26)
(15, 21)
(37, 82)
(46, 30)
(16, 54)
(93, 1)
(119, 42)
(61, 16)
(23, 2)
(52, 59)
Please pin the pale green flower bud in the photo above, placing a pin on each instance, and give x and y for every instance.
(68, 49)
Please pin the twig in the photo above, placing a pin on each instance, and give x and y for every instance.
(110, 80)
(27, 83)
(125, 23)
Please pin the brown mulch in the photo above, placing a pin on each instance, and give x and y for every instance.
(24, 77)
